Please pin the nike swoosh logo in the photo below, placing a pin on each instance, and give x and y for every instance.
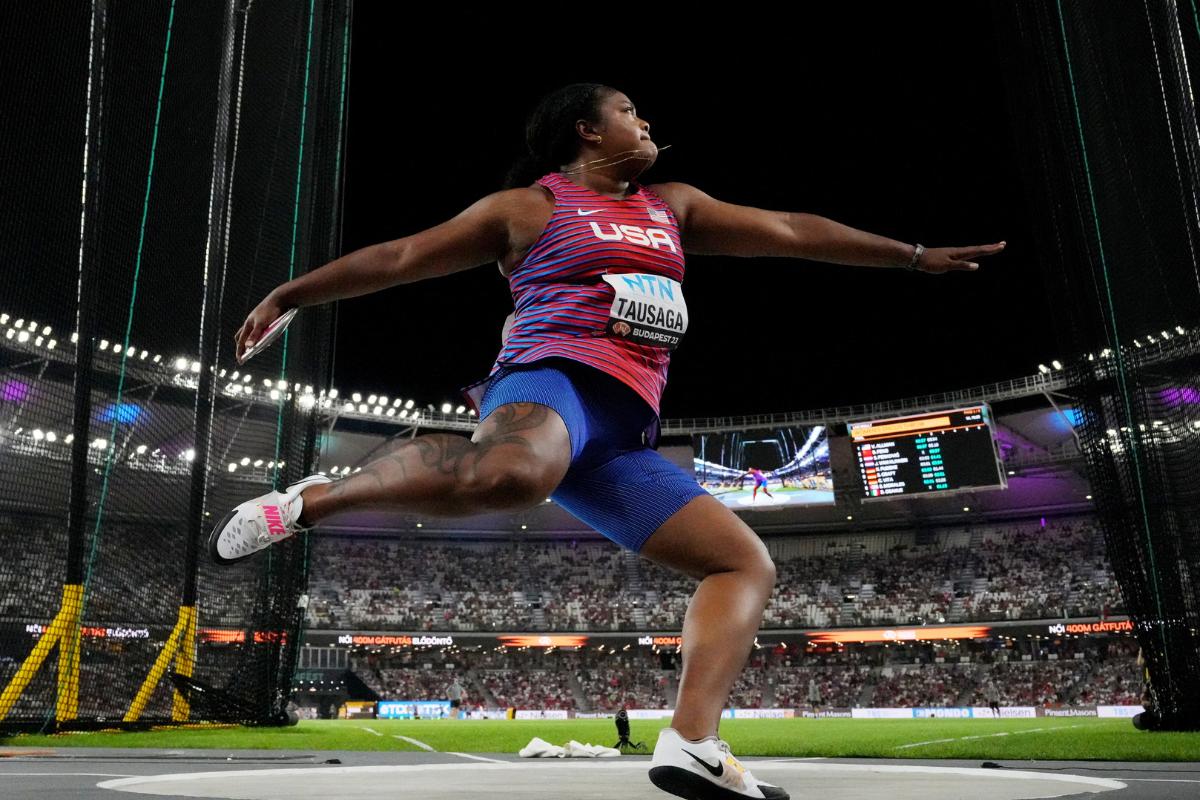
(583, 213)
(716, 771)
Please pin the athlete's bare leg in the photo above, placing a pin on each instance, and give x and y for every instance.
(515, 459)
(706, 540)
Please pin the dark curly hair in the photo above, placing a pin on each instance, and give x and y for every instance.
(550, 138)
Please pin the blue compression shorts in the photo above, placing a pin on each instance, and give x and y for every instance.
(615, 483)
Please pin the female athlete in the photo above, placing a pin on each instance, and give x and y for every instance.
(595, 260)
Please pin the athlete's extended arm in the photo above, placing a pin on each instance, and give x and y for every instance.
(478, 235)
(711, 227)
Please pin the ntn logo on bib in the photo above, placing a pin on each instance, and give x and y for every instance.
(647, 308)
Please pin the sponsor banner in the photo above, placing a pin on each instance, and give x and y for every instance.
(1068, 712)
(535, 640)
(488, 713)
(926, 634)
(356, 709)
(829, 713)
(1119, 711)
(413, 709)
(1006, 712)
(97, 631)
(1091, 628)
(941, 713)
(594, 715)
(763, 713)
(395, 640)
(541, 713)
(660, 641)
(881, 713)
(654, 713)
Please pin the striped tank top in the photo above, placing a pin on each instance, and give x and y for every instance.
(563, 301)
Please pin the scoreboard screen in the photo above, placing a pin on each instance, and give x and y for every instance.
(927, 454)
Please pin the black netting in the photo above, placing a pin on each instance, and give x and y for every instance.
(172, 163)
(1105, 118)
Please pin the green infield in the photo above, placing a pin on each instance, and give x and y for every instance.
(1068, 739)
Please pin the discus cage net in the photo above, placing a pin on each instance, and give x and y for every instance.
(1102, 102)
(166, 165)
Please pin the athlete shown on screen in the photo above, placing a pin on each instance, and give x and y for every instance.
(570, 409)
(760, 480)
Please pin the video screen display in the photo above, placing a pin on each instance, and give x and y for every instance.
(926, 454)
(765, 468)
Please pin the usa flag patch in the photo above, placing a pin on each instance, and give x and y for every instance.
(659, 216)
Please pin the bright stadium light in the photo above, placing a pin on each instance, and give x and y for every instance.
(75, 338)
(1089, 497)
(348, 407)
(307, 401)
(333, 394)
(46, 331)
(445, 408)
(471, 413)
(391, 412)
(10, 333)
(274, 394)
(356, 397)
(189, 454)
(70, 437)
(246, 378)
(196, 367)
(1042, 368)
(245, 462)
(116, 348)
(23, 337)
(1056, 364)
(258, 462)
(397, 402)
(373, 399)
(141, 449)
(524, 527)
(232, 467)
(181, 364)
(849, 517)
(104, 344)
(38, 435)
(409, 404)
(362, 408)
(53, 343)
(281, 384)
(966, 508)
(403, 413)
(377, 410)
(3, 319)
(460, 409)
(51, 436)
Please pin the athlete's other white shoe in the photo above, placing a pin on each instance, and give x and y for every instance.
(257, 524)
(704, 770)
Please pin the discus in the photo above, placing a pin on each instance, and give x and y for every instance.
(273, 332)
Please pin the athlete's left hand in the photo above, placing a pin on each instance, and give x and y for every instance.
(936, 260)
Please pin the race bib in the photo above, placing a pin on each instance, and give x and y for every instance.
(647, 309)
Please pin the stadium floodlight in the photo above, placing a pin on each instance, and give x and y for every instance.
(391, 412)
(966, 508)
(32, 325)
(274, 394)
(1056, 364)
(849, 517)
(348, 407)
(189, 454)
(403, 413)
(144, 354)
(51, 436)
(245, 462)
(373, 399)
(100, 444)
(362, 408)
(267, 383)
(356, 397)
(53, 343)
(10, 333)
(38, 341)
(196, 367)
(1042, 368)
(1088, 497)
(104, 344)
(70, 437)
(445, 408)
(181, 364)
(1179, 329)
(141, 449)
(258, 462)
(397, 402)
(548, 500)
(524, 527)
(419, 525)
(1165, 335)
(157, 358)
(116, 347)
(246, 378)
(307, 401)
(23, 337)
(333, 393)
(377, 410)
(19, 323)
(409, 404)
(3, 319)
(1012, 472)
(280, 384)
(232, 467)
(471, 413)
(38, 434)
(334, 469)
(460, 409)
(75, 338)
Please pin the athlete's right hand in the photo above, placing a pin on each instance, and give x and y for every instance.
(259, 320)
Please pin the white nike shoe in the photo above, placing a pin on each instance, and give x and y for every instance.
(704, 770)
(257, 524)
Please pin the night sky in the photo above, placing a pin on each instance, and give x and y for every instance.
(890, 118)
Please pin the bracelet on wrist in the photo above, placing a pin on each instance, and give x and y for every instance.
(918, 251)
